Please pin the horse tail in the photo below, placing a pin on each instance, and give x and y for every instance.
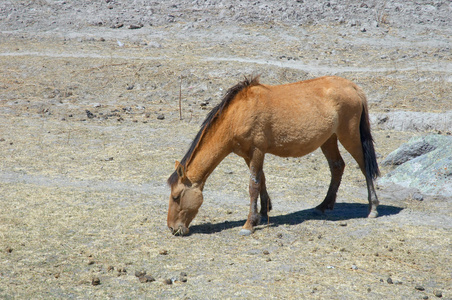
(367, 142)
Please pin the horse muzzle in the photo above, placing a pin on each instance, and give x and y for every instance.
(180, 231)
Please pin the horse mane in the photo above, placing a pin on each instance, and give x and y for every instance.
(210, 119)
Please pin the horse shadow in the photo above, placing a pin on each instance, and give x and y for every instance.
(341, 212)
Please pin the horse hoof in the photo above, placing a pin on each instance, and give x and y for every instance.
(318, 212)
(373, 214)
(264, 220)
(245, 232)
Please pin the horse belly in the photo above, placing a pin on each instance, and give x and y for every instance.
(298, 136)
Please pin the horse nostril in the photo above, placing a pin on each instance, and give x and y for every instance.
(172, 230)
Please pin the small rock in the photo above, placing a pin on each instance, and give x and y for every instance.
(266, 252)
(135, 26)
(91, 262)
(167, 281)
(438, 294)
(343, 224)
(419, 288)
(89, 114)
(140, 273)
(418, 197)
(95, 281)
(389, 280)
(182, 277)
(146, 278)
(354, 267)
(163, 252)
(363, 29)
(160, 117)
(110, 268)
(130, 87)
(9, 249)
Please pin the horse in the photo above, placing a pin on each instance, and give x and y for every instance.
(289, 120)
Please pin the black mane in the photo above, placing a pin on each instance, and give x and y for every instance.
(211, 117)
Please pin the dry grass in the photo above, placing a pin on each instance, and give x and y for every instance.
(85, 197)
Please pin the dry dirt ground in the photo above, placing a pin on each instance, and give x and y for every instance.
(90, 130)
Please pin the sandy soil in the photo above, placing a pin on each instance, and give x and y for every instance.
(90, 130)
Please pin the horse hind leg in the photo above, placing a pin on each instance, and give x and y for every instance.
(354, 147)
(337, 165)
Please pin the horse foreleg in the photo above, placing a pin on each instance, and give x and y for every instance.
(266, 203)
(337, 165)
(255, 188)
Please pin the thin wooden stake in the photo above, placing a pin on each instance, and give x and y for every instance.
(180, 98)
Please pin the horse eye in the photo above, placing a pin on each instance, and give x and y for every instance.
(176, 198)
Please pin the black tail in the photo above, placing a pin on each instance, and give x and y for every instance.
(367, 142)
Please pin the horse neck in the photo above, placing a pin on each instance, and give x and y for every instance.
(214, 146)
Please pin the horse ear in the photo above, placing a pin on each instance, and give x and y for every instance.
(180, 170)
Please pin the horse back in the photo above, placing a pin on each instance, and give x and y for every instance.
(297, 118)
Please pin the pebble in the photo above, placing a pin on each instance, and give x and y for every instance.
(135, 26)
(146, 278)
(89, 114)
(438, 294)
(160, 117)
(121, 271)
(140, 273)
(163, 252)
(9, 249)
(183, 277)
(266, 252)
(389, 280)
(418, 197)
(91, 262)
(95, 281)
(167, 281)
(419, 288)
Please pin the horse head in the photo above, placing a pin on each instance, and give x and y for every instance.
(184, 202)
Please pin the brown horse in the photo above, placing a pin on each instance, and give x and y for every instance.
(284, 120)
